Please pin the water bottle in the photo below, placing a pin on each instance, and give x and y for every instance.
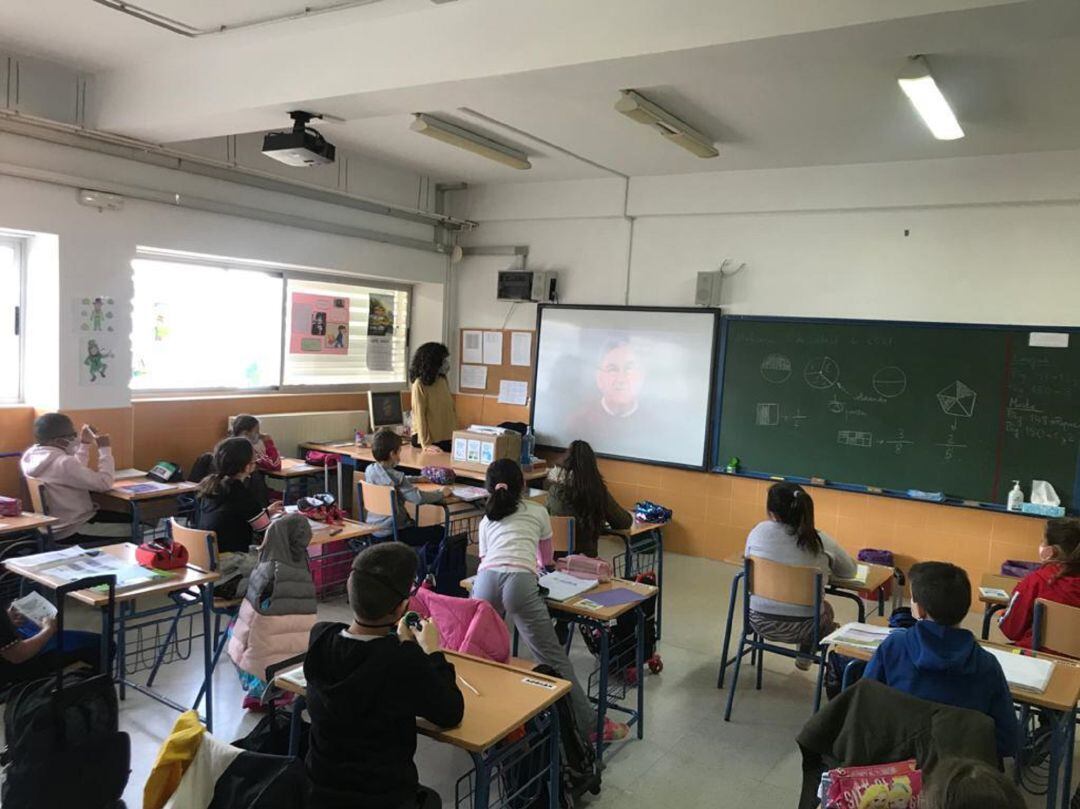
(528, 441)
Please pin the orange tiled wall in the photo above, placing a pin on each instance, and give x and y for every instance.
(713, 513)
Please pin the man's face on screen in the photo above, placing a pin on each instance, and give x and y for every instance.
(620, 378)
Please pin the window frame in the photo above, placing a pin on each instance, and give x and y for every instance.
(284, 273)
(20, 243)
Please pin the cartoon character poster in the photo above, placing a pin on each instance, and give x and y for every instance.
(380, 329)
(95, 314)
(320, 324)
(95, 363)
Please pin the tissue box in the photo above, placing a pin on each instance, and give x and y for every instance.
(1042, 511)
(10, 506)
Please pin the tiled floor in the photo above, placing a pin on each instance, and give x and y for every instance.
(689, 758)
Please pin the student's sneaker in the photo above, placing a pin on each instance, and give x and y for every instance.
(803, 663)
(613, 731)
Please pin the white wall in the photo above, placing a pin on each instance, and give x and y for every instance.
(993, 239)
(95, 251)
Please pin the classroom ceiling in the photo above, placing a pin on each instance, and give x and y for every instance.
(775, 83)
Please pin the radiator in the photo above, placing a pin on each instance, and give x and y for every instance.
(289, 430)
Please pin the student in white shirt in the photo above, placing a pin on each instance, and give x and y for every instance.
(515, 540)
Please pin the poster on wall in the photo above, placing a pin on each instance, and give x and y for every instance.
(94, 314)
(95, 361)
(380, 329)
(320, 324)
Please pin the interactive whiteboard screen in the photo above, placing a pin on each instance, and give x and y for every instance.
(634, 383)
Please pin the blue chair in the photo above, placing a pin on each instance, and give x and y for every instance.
(798, 586)
(383, 500)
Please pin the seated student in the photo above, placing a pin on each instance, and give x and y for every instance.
(960, 783)
(939, 661)
(225, 505)
(386, 449)
(367, 685)
(515, 537)
(1057, 580)
(59, 460)
(30, 654)
(790, 538)
(578, 491)
(267, 458)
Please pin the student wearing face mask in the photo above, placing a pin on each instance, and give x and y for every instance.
(433, 415)
(59, 459)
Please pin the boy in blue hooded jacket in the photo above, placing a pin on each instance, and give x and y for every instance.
(939, 661)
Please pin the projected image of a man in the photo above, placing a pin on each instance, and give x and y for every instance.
(619, 377)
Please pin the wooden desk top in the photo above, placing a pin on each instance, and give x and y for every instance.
(1061, 694)
(641, 528)
(125, 552)
(506, 701)
(1006, 583)
(350, 530)
(413, 458)
(121, 490)
(538, 495)
(573, 605)
(294, 468)
(28, 521)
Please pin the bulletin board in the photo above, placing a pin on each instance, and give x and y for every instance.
(505, 369)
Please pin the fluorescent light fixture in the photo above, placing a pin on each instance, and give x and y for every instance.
(638, 108)
(919, 86)
(469, 141)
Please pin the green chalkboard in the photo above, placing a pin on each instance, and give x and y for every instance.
(958, 409)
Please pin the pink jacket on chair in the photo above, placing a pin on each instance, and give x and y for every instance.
(260, 641)
(466, 625)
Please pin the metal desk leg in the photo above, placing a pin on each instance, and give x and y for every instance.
(1070, 746)
(640, 672)
(136, 524)
(602, 697)
(659, 578)
(724, 662)
(881, 601)
(483, 782)
(295, 724)
(121, 648)
(208, 655)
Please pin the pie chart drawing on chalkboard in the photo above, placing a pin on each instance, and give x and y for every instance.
(776, 368)
(821, 373)
(890, 382)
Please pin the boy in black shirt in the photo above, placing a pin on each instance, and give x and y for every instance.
(367, 685)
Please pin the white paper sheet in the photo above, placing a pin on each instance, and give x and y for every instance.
(1048, 339)
(469, 493)
(127, 474)
(521, 348)
(561, 586)
(866, 636)
(1028, 673)
(48, 558)
(512, 392)
(35, 607)
(472, 349)
(473, 377)
(493, 347)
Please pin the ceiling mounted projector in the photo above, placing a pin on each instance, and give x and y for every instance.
(638, 108)
(302, 146)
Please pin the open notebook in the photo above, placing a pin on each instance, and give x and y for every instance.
(1024, 672)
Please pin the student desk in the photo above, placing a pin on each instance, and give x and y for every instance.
(182, 579)
(135, 501)
(992, 604)
(603, 620)
(1059, 699)
(413, 459)
(508, 699)
(877, 577)
(27, 522)
(295, 473)
(644, 543)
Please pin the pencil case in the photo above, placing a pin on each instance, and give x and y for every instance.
(584, 567)
(10, 506)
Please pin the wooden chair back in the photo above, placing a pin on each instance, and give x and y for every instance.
(39, 501)
(1057, 628)
(788, 584)
(562, 534)
(377, 499)
(201, 545)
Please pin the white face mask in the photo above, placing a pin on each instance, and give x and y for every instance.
(444, 369)
(72, 446)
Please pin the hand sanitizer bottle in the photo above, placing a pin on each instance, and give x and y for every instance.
(1016, 497)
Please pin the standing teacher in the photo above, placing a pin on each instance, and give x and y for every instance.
(433, 415)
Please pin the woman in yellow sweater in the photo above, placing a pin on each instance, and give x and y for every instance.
(433, 415)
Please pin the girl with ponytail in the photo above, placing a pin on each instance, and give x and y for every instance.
(790, 537)
(1057, 580)
(515, 540)
(225, 505)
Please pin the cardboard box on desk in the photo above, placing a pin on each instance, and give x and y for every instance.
(474, 451)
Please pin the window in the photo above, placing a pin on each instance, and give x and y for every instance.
(200, 325)
(12, 286)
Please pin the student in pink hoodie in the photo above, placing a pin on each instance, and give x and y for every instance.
(58, 459)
